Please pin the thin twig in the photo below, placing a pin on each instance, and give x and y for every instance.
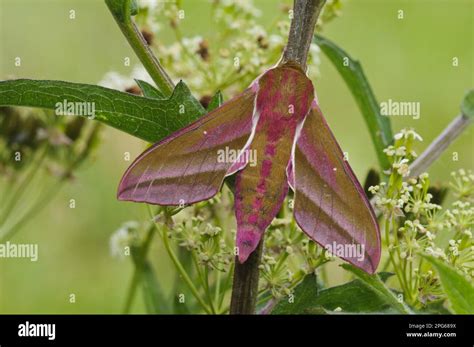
(141, 48)
(439, 145)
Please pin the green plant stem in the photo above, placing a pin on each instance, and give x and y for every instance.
(217, 290)
(141, 48)
(415, 285)
(227, 284)
(43, 201)
(183, 273)
(139, 264)
(181, 270)
(261, 301)
(204, 282)
(37, 207)
(208, 291)
(400, 272)
(387, 244)
(401, 261)
(23, 184)
(410, 276)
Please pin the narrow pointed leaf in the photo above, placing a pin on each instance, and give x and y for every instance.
(180, 287)
(117, 7)
(148, 119)
(375, 283)
(155, 300)
(467, 105)
(216, 101)
(149, 91)
(379, 126)
(459, 290)
(351, 297)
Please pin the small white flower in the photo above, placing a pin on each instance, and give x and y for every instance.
(400, 151)
(430, 236)
(121, 239)
(407, 133)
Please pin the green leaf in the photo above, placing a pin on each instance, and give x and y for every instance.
(351, 297)
(467, 106)
(155, 300)
(459, 290)
(379, 126)
(149, 91)
(384, 276)
(304, 297)
(134, 8)
(434, 308)
(118, 8)
(375, 283)
(179, 286)
(148, 119)
(216, 101)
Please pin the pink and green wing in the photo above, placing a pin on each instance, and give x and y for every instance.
(185, 168)
(330, 205)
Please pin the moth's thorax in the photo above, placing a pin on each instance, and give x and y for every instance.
(284, 95)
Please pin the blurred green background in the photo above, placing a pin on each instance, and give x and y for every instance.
(408, 60)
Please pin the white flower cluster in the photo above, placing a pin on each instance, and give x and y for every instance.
(236, 50)
(415, 224)
(206, 241)
(124, 238)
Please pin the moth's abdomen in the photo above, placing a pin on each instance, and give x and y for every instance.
(260, 191)
(283, 100)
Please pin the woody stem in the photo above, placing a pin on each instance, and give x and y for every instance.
(245, 285)
(305, 16)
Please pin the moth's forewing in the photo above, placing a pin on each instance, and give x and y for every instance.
(284, 98)
(330, 205)
(190, 165)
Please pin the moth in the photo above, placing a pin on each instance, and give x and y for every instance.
(277, 119)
